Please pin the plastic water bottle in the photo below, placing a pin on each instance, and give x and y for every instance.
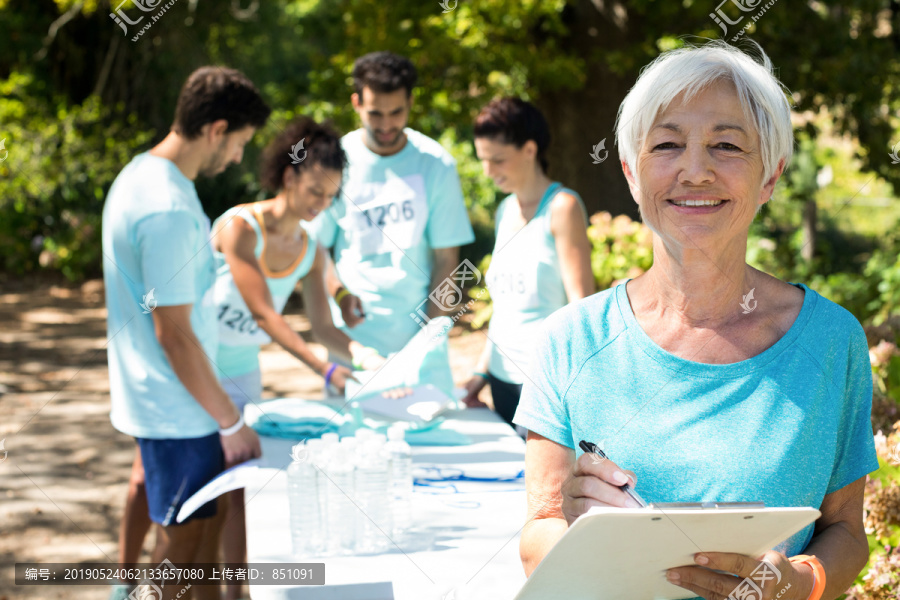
(401, 481)
(371, 488)
(341, 509)
(303, 498)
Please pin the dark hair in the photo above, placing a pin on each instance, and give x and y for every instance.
(321, 146)
(383, 72)
(514, 121)
(213, 93)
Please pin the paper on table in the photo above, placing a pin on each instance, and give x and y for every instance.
(623, 553)
(424, 404)
(238, 476)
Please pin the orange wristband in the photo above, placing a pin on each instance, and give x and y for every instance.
(818, 574)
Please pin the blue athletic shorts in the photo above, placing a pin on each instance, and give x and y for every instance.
(176, 468)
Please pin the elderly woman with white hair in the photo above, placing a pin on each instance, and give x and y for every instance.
(708, 379)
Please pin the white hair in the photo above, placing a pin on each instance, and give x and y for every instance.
(692, 69)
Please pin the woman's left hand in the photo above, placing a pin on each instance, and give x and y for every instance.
(774, 574)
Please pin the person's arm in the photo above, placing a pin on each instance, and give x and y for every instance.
(351, 307)
(478, 380)
(445, 262)
(839, 543)
(559, 489)
(237, 241)
(316, 302)
(839, 538)
(172, 325)
(569, 229)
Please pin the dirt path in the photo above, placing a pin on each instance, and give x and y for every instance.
(63, 481)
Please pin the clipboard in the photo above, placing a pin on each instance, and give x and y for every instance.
(623, 553)
(424, 404)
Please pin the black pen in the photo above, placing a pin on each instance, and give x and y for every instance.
(592, 448)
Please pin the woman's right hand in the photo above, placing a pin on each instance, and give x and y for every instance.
(352, 310)
(473, 387)
(340, 376)
(595, 482)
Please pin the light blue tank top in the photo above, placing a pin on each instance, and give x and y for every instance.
(239, 335)
(525, 284)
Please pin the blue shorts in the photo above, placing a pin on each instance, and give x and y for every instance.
(174, 469)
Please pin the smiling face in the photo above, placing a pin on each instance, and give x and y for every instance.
(699, 171)
(507, 165)
(311, 191)
(383, 116)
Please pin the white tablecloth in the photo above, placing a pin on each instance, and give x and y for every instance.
(465, 546)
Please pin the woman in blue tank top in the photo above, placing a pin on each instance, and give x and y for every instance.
(541, 258)
(262, 251)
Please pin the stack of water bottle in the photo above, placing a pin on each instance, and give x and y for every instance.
(350, 495)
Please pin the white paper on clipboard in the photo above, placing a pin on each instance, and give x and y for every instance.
(238, 476)
(425, 403)
(623, 553)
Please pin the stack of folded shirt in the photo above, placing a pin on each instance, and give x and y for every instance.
(293, 418)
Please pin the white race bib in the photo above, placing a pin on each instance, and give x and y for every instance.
(237, 327)
(384, 216)
(512, 287)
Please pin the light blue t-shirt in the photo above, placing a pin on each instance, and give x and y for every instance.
(393, 211)
(785, 427)
(525, 283)
(156, 251)
(239, 335)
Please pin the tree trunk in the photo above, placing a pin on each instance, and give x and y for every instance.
(581, 119)
(809, 230)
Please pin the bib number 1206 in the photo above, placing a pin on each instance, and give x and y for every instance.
(238, 320)
(393, 213)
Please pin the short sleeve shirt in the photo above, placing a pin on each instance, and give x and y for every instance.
(392, 213)
(785, 427)
(156, 252)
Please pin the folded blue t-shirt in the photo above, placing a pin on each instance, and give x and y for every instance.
(785, 427)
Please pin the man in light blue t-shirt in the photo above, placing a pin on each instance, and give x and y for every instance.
(397, 227)
(159, 271)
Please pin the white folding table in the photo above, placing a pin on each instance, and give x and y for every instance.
(465, 544)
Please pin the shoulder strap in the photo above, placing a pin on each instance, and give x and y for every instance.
(244, 212)
(549, 195)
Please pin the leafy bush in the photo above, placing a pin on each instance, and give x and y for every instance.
(620, 248)
(62, 159)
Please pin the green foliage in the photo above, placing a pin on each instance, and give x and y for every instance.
(620, 248)
(62, 159)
